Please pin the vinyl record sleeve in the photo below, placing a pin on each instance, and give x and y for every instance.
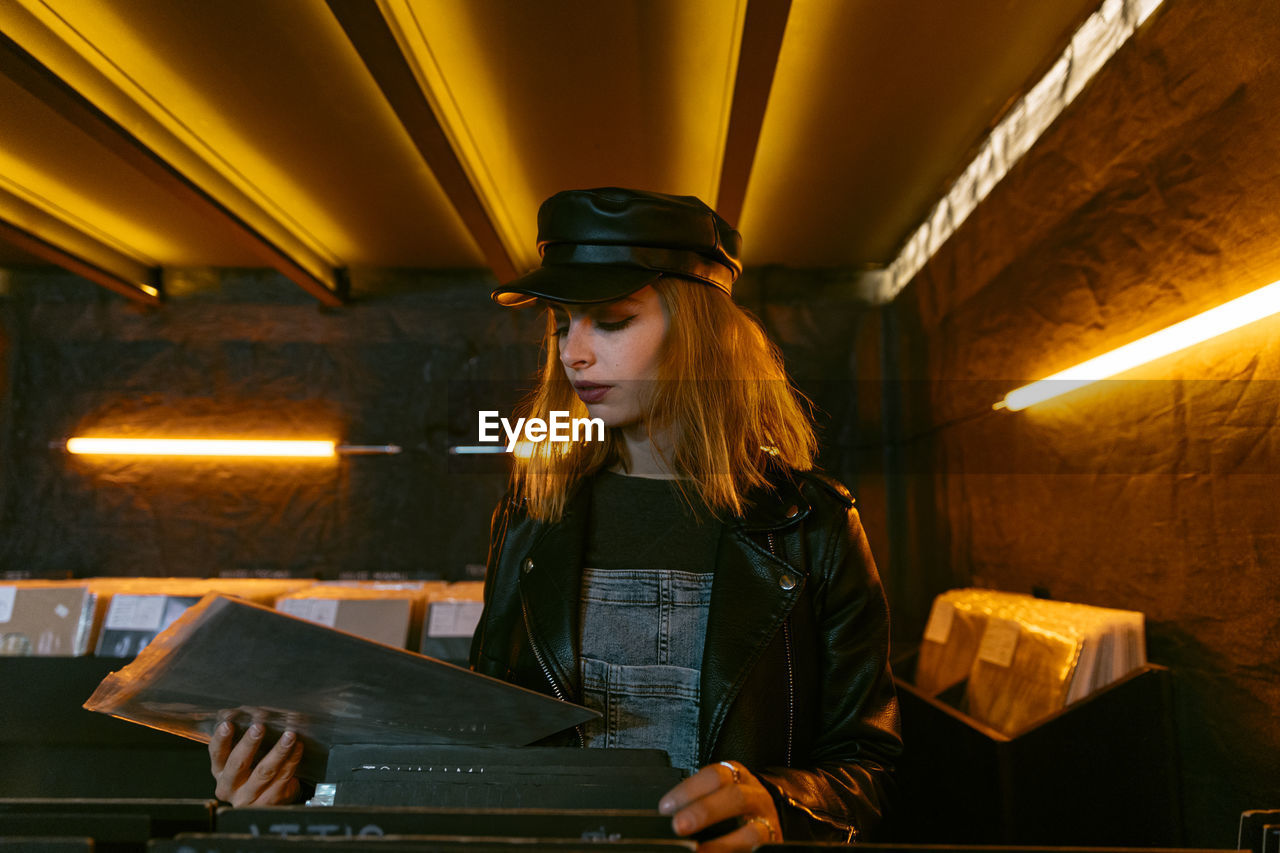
(230, 659)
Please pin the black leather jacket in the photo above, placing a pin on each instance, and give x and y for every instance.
(795, 675)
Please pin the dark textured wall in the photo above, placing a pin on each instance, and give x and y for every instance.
(1155, 197)
(243, 353)
(833, 346)
(409, 362)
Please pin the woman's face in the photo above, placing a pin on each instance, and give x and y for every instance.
(611, 351)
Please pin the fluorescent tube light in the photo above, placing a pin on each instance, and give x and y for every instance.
(1246, 309)
(200, 447)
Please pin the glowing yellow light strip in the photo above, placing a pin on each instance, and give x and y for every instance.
(1246, 309)
(199, 447)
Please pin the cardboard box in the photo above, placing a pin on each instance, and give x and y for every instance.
(422, 592)
(375, 613)
(46, 619)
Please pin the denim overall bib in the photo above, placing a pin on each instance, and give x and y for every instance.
(641, 647)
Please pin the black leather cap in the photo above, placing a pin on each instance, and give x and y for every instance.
(602, 244)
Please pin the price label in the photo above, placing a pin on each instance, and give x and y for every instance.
(7, 595)
(135, 612)
(323, 611)
(453, 618)
(939, 626)
(999, 642)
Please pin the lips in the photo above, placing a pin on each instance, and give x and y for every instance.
(589, 392)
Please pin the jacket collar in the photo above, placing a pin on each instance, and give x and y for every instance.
(772, 509)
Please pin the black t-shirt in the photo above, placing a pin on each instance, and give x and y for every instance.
(645, 523)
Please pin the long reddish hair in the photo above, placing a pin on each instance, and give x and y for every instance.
(722, 394)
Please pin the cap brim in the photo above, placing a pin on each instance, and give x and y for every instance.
(574, 283)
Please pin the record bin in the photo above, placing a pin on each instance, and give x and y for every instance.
(1103, 771)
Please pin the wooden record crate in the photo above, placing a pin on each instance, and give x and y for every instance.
(1103, 771)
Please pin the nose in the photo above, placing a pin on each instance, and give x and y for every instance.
(575, 347)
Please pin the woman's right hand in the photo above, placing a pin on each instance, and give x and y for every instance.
(241, 782)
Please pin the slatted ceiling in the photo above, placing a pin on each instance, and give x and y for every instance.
(279, 94)
(875, 107)
(583, 93)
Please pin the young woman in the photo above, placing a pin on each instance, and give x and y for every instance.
(689, 575)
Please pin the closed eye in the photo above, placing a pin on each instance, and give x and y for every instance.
(615, 325)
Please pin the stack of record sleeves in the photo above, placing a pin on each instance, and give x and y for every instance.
(117, 617)
(1021, 659)
(110, 617)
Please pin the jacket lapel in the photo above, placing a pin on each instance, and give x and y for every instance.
(749, 602)
(550, 584)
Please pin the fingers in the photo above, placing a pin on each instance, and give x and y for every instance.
(722, 792)
(721, 804)
(273, 767)
(698, 785)
(285, 787)
(236, 764)
(239, 762)
(220, 747)
(286, 791)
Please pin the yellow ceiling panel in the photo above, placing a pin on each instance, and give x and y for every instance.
(540, 97)
(53, 165)
(875, 107)
(274, 99)
(268, 108)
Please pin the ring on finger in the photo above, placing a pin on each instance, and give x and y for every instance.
(733, 768)
(770, 830)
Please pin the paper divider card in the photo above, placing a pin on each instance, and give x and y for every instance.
(453, 618)
(8, 593)
(999, 642)
(135, 612)
(322, 611)
(938, 628)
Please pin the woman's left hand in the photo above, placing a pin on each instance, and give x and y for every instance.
(720, 792)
